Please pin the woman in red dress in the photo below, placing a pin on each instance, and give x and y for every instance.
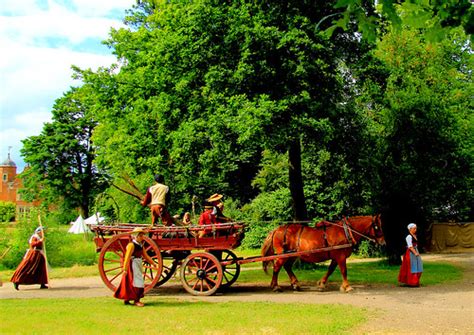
(412, 266)
(32, 269)
(132, 285)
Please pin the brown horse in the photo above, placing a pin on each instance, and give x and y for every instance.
(336, 239)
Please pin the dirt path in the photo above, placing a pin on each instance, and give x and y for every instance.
(441, 309)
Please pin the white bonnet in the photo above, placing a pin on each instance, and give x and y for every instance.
(411, 225)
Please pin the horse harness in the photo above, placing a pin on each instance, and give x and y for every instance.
(300, 232)
(348, 231)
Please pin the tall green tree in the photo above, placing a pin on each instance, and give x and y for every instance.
(203, 88)
(61, 168)
(425, 110)
(435, 17)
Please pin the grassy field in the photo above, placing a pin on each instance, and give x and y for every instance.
(109, 316)
(169, 316)
(359, 272)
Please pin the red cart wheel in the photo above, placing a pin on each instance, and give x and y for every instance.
(230, 272)
(111, 261)
(169, 268)
(201, 274)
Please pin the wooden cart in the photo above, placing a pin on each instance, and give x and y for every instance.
(206, 263)
(200, 259)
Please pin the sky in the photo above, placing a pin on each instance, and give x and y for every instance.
(39, 41)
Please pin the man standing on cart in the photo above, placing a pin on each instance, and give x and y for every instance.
(157, 198)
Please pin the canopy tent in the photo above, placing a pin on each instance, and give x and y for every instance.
(78, 226)
(452, 237)
(94, 219)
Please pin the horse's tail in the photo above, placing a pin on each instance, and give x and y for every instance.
(267, 249)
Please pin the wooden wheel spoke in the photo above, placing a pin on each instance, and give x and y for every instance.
(192, 280)
(148, 248)
(121, 246)
(115, 277)
(150, 272)
(112, 269)
(207, 262)
(206, 281)
(195, 284)
(117, 253)
(227, 271)
(112, 260)
(212, 267)
(146, 275)
(195, 265)
(209, 279)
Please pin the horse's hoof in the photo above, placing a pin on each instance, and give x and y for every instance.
(346, 289)
(277, 289)
(321, 286)
(296, 287)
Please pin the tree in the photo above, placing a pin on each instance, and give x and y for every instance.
(435, 17)
(60, 159)
(203, 89)
(424, 109)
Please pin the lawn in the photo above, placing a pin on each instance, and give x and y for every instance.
(160, 316)
(361, 273)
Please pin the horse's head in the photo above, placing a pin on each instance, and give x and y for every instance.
(376, 231)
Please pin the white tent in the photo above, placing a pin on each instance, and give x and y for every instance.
(78, 226)
(94, 219)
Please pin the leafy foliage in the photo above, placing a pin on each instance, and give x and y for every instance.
(7, 211)
(61, 169)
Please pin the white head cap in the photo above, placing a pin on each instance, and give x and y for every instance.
(411, 225)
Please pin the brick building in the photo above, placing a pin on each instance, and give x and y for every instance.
(10, 186)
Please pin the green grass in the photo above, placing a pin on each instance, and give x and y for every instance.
(159, 316)
(377, 272)
(364, 273)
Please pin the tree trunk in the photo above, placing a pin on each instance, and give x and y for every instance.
(296, 181)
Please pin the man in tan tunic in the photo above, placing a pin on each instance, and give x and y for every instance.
(157, 198)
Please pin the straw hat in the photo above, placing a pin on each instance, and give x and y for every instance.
(214, 197)
(138, 230)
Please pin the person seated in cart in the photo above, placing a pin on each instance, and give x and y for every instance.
(215, 200)
(186, 219)
(157, 197)
(132, 285)
(207, 218)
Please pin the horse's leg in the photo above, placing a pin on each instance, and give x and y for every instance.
(276, 270)
(345, 287)
(294, 281)
(322, 282)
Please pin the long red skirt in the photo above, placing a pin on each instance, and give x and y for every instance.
(31, 270)
(405, 276)
(126, 290)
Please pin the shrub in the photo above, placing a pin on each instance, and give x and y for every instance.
(7, 211)
(368, 249)
(62, 249)
(260, 216)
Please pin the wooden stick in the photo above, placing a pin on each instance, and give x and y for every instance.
(44, 249)
(132, 184)
(6, 252)
(128, 192)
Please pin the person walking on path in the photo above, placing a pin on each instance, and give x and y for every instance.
(33, 268)
(412, 265)
(132, 285)
(158, 197)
